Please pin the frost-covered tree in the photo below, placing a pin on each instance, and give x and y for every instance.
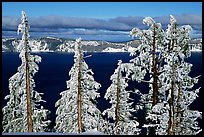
(121, 108)
(177, 84)
(77, 111)
(23, 112)
(170, 115)
(147, 62)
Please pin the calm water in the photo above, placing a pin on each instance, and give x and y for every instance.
(54, 68)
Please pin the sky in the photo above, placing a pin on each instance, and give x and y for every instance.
(97, 20)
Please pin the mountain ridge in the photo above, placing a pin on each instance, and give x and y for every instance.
(52, 44)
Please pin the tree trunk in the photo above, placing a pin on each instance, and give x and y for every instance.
(79, 94)
(178, 109)
(154, 70)
(28, 98)
(155, 81)
(171, 104)
(117, 114)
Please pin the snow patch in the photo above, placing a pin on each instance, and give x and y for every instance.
(89, 132)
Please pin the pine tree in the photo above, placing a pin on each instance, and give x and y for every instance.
(171, 114)
(177, 84)
(23, 112)
(77, 111)
(147, 61)
(121, 109)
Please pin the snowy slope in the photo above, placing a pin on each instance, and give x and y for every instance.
(123, 49)
(49, 44)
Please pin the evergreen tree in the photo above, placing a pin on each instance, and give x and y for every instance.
(177, 84)
(23, 112)
(171, 114)
(121, 109)
(147, 62)
(77, 111)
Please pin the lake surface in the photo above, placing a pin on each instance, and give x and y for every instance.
(54, 68)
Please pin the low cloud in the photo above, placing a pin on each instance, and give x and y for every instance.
(113, 26)
(185, 19)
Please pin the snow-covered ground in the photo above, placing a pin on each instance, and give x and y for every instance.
(50, 44)
(109, 49)
(90, 132)
(196, 50)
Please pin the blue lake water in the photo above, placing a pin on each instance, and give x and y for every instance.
(54, 68)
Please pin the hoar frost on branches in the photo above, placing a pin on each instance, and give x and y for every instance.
(170, 114)
(15, 113)
(120, 110)
(147, 61)
(77, 111)
(177, 84)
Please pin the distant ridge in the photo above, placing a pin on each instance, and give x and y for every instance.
(53, 44)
